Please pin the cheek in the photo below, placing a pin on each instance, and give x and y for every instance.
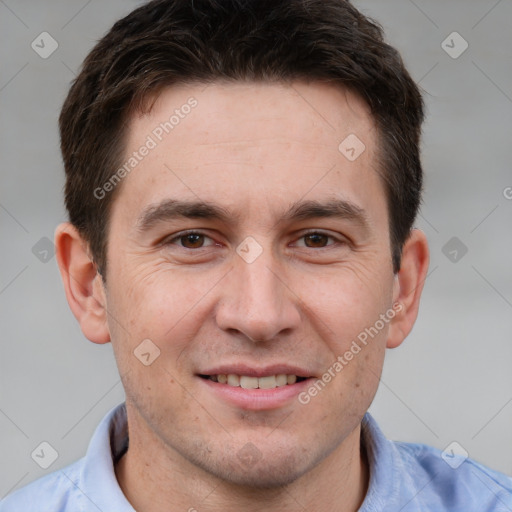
(157, 303)
(158, 395)
(154, 304)
(347, 310)
(346, 302)
(354, 386)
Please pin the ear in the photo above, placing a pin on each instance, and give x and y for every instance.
(408, 287)
(82, 283)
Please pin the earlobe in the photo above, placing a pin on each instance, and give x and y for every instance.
(82, 283)
(408, 287)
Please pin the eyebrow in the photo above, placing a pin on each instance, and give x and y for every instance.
(171, 209)
(334, 208)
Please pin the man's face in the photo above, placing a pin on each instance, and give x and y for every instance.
(287, 266)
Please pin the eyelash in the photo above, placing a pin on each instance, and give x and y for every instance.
(183, 234)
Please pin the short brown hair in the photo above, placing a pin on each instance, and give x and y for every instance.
(166, 42)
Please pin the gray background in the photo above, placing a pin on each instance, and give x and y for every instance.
(450, 381)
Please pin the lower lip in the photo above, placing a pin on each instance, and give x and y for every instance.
(256, 399)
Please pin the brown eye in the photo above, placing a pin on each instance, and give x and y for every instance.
(192, 240)
(316, 240)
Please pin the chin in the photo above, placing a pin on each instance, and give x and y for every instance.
(270, 470)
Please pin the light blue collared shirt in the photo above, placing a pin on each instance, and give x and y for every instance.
(404, 477)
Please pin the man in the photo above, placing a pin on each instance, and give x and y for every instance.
(242, 182)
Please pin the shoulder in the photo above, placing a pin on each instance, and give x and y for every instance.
(88, 484)
(55, 492)
(453, 481)
(414, 477)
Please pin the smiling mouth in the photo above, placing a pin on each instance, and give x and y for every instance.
(251, 382)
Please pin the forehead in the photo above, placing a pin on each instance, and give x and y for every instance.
(251, 144)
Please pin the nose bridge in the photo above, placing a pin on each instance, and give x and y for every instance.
(256, 302)
(262, 285)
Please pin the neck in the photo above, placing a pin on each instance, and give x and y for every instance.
(154, 478)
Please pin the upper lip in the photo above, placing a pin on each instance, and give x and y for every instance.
(255, 371)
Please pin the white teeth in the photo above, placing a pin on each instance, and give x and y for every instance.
(291, 379)
(247, 382)
(267, 382)
(233, 380)
(281, 379)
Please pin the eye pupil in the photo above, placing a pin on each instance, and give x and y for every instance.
(193, 240)
(316, 239)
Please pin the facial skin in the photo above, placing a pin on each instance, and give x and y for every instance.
(252, 150)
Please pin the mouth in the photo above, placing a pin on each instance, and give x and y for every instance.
(245, 387)
(252, 382)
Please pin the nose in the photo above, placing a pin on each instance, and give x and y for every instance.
(257, 301)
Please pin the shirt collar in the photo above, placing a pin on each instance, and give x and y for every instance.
(98, 479)
(384, 486)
